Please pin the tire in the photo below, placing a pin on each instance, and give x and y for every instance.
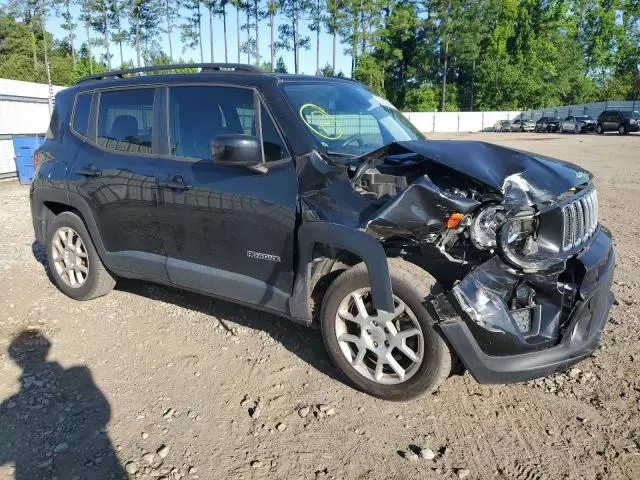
(97, 280)
(410, 286)
(599, 129)
(577, 129)
(622, 129)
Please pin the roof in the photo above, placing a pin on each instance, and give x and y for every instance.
(208, 72)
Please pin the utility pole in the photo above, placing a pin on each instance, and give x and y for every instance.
(46, 56)
(446, 59)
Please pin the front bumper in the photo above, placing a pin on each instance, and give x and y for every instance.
(575, 302)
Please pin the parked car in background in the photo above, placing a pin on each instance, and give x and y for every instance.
(502, 126)
(578, 124)
(618, 120)
(519, 125)
(548, 124)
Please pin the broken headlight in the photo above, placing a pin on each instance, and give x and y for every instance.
(531, 249)
(491, 226)
(484, 229)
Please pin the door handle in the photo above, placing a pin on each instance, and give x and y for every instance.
(176, 183)
(89, 171)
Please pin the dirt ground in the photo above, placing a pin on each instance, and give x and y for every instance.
(188, 386)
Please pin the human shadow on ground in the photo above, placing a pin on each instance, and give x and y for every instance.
(302, 341)
(55, 426)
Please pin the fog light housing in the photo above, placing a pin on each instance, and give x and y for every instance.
(523, 318)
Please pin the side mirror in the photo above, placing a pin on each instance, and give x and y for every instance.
(237, 150)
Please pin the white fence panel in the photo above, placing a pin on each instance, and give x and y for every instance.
(423, 121)
(445, 122)
(23, 117)
(448, 122)
(470, 122)
(7, 161)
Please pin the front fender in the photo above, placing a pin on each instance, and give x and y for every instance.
(346, 238)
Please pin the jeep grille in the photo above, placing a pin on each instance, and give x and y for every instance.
(580, 219)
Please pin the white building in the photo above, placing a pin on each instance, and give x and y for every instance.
(24, 110)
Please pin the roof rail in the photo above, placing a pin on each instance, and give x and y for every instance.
(204, 67)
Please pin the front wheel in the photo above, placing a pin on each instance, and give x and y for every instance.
(73, 261)
(391, 355)
(577, 129)
(599, 129)
(622, 129)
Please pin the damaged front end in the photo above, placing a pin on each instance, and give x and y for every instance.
(512, 238)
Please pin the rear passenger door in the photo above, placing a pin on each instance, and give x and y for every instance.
(227, 230)
(611, 121)
(115, 173)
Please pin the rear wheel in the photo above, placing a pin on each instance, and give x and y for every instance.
(73, 261)
(576, 129)
(391, 355)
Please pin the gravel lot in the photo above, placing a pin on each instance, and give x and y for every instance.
(167, 384)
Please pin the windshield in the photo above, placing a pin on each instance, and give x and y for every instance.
(583, 118)
(347, 118)
(635, 115)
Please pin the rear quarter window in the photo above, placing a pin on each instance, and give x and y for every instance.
(125, 120)
(81, 111)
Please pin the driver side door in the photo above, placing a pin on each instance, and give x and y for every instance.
(228, 230)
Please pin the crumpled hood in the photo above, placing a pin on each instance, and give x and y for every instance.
(523, 178)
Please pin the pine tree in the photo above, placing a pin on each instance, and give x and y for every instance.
(170, 14)
(290, 38)
(212, 8)
(272, 10)
(191, 29)
(62, 8)
(118, 9)
(316, 11)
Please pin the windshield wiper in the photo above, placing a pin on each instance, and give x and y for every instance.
(341, 154)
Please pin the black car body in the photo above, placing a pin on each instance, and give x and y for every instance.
(619, 121)
(548, 124)
(522, 266)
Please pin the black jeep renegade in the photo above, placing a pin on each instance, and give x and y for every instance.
(315, 199)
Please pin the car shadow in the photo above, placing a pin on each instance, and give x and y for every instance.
(55, 426)
(304, 342)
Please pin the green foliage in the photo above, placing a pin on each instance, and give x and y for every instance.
(421, 99)
(281, 67)
(492, 54)
(504, 54)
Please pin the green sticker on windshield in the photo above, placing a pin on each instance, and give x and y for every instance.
(320, 122)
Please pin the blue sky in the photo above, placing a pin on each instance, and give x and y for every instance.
(307, 58)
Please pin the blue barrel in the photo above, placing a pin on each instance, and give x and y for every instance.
(24, 148)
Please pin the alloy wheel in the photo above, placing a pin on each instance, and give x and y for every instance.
(70, 257)
(387, 348)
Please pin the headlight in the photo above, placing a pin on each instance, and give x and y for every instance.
(484, 228)
(491, 227)
(633, 121)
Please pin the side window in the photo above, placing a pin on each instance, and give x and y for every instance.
(198, 114)
(125, 119)
(81, 114)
